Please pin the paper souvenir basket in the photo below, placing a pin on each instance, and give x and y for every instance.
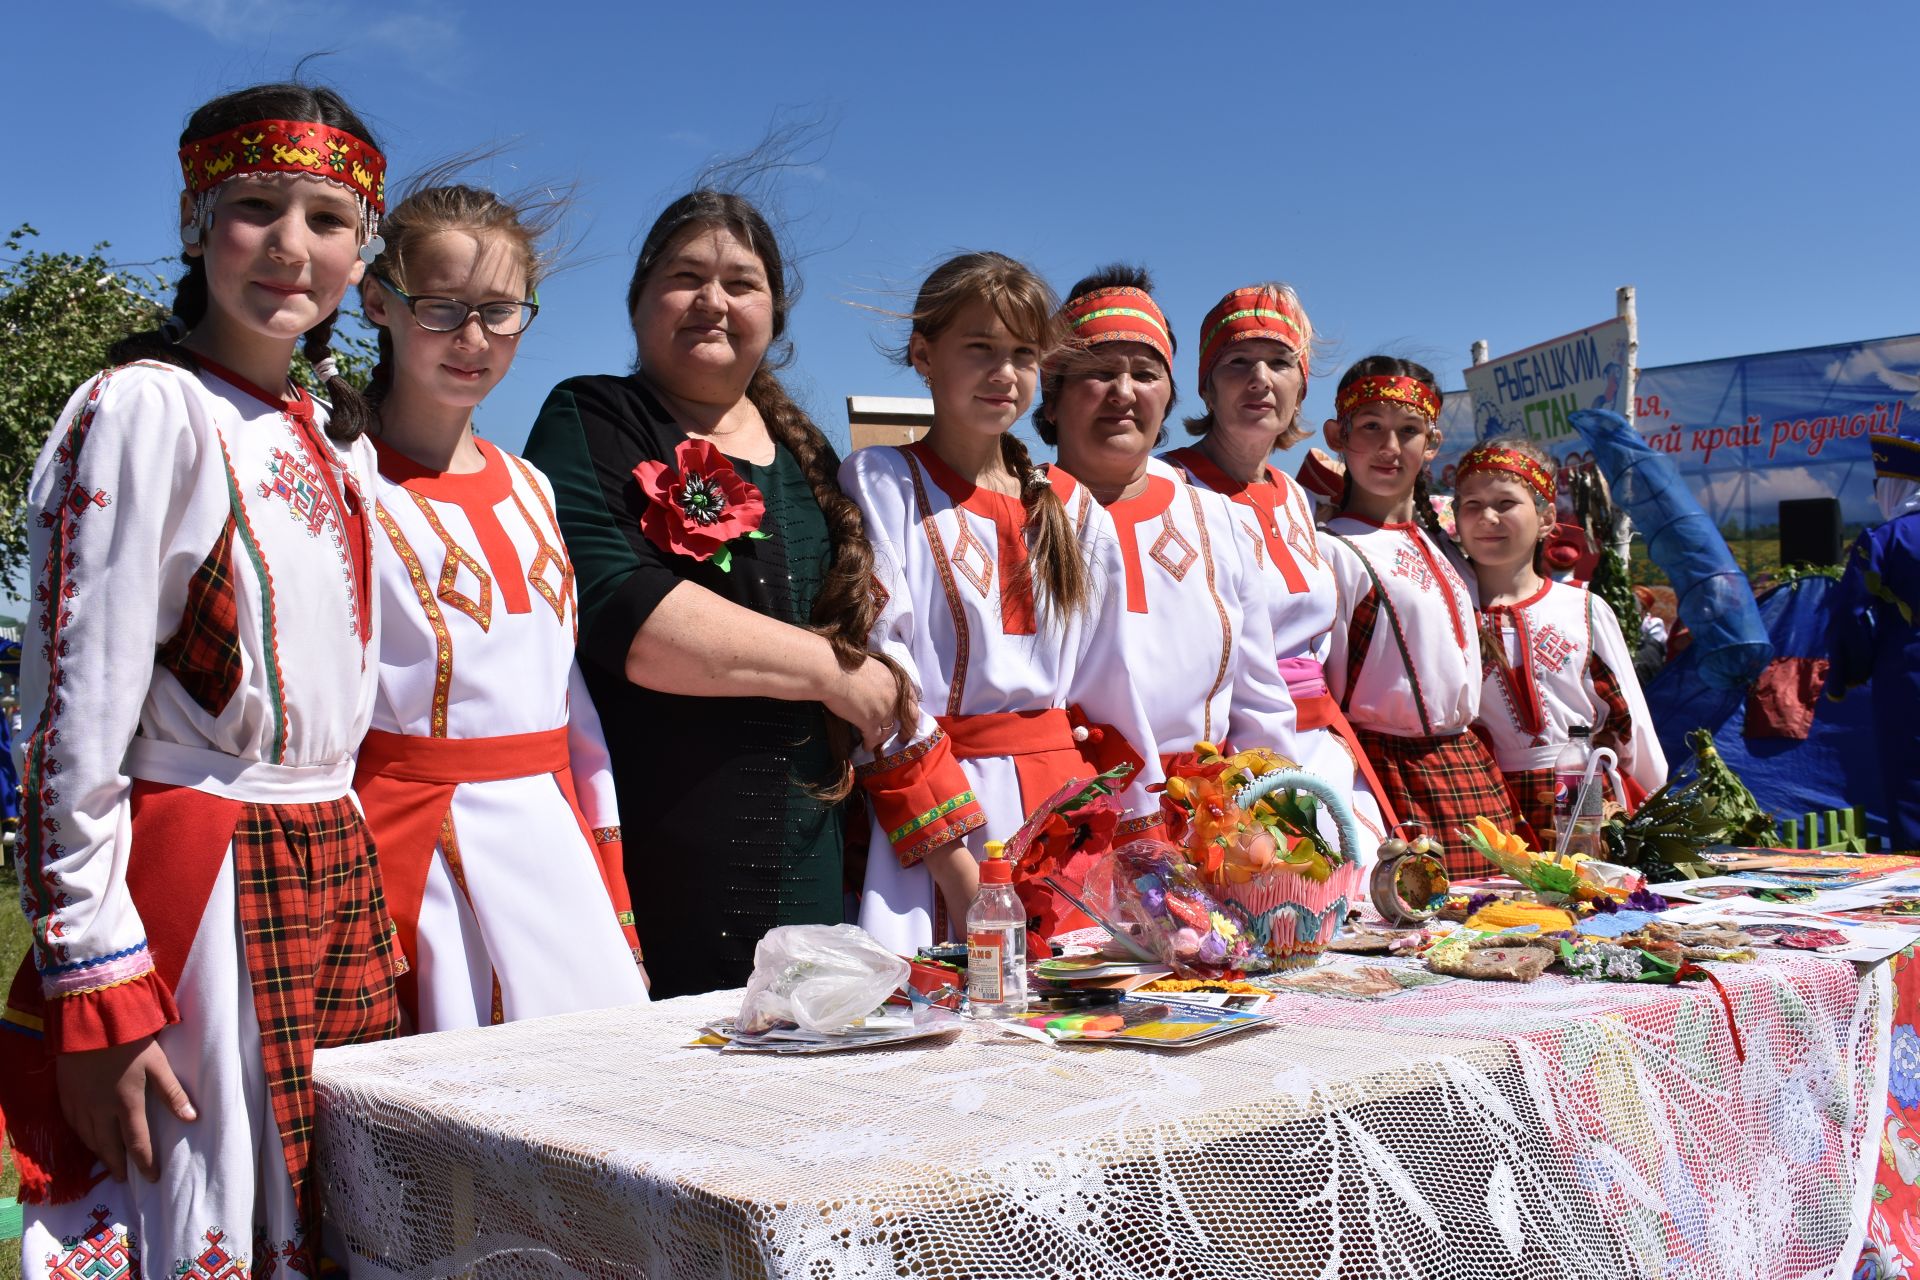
(1292, 916)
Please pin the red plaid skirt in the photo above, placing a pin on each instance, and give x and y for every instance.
(321, 955)
(1532, 796)
(321, 958)
(1442, 784)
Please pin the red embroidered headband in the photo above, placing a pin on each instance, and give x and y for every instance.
(1412, 392)
(1119, 314)
(1253, 313)
(288, 146)
(1511, 462)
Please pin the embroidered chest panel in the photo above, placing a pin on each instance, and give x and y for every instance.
(1412, 566)
(293, 481)
(1171, 550)
(1551, 650)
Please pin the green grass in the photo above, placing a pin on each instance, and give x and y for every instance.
(13, 945)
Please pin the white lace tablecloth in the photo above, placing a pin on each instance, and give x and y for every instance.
(1472, 1130)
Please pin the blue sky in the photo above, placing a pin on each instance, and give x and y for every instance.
(1426, 175)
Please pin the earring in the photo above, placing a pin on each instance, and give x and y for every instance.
(372, 249)
(190, 234)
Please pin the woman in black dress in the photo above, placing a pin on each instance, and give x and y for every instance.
(725, 588)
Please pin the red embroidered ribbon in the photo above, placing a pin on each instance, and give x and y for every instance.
(1412, 392)
(287, 146)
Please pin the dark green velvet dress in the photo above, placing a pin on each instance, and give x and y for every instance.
(723, 838)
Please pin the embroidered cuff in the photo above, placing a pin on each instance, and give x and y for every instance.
(921, 797)
(1136, 828)
(114, 1014)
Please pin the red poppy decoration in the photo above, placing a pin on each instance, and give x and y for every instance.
(698, 509)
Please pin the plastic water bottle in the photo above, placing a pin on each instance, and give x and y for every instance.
(996, 941)
(1579, 831)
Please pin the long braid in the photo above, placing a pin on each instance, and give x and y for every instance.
(1424, 513)
(846, 609)
(189, 308)
(1067, 586)
(351, 414)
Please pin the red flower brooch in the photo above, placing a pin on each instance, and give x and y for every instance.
(701, 507)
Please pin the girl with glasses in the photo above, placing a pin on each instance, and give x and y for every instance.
(485, 776)
(202, 892)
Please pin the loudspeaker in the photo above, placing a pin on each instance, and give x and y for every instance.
(1810, 531)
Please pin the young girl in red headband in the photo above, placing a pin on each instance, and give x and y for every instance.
(1001, 582)
(1405, 659)
(199, 669)
(1256, 345)
(1554, 653)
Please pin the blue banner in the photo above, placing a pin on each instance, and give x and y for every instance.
(1749, 432)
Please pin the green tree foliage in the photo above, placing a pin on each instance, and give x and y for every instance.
(59, 313)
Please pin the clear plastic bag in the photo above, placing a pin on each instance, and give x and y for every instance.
(818, 977)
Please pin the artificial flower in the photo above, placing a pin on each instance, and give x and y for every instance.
(698, 505)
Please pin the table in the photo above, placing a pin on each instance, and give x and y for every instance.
(1469, 1129)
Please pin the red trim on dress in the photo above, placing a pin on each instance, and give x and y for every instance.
(1128, 514)
(1263, 497)
(1018, 614)
(300, 405)
(477, 494)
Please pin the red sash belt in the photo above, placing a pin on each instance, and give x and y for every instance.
(406, 786)
(443, 760)
(1048, 747)
(1321, 711)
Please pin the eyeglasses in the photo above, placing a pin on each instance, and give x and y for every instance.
(446, 315)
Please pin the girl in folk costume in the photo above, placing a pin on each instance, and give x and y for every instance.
(1554, 653)
(1255, 348)
(204, 903)
(1404, 662)
(1196, 610)
(997, 603)
(485, 776)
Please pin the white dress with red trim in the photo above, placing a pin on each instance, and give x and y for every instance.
(485, 774)
(1420, 673)
(199, 641)
(1014, 700)
(1196, 620)
(1563, 661)
(1274, 521)
(1405, 664)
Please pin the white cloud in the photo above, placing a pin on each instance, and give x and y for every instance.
(419, 34)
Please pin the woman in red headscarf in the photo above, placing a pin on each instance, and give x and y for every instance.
(1196, 611)
(1255, 348)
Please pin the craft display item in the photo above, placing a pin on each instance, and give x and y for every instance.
(1506, 960)
(1408, 885)
(1079, 818)
(1250, 823)
(1517, 914)
(1553, 879)
(1156, 902)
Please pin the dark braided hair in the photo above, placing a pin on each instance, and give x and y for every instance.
(847, 607)
(1395, 367)
(350, 415)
